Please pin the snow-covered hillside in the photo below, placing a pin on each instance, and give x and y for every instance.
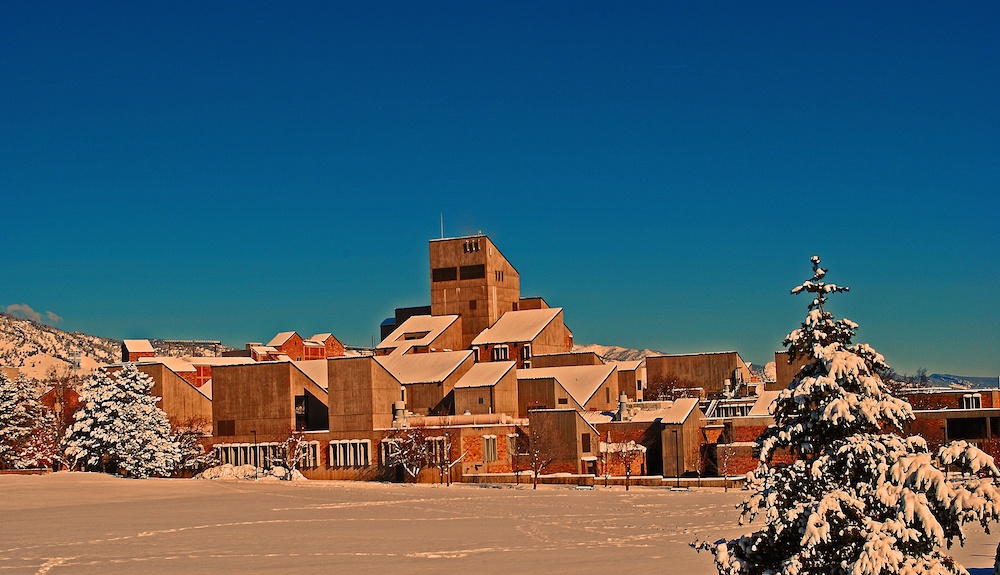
(37, 348)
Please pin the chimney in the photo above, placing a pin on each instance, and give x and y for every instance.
(622, 413)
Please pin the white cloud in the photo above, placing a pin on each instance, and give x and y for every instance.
(24, 311)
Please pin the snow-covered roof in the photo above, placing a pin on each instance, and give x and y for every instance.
(422, 329)
(213, 360)
(320, 337)
(206, 389)
(676, 414)
(138, 345)
(579, 381)
(595, 417)
(175, 364)
(311, 343)
(281, 338)
(263, 349)
(316, 370)
(627, 365)
(764, 401)
(518, 326)
(423, 367)
(485, 374)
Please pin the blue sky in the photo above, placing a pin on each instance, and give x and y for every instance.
(663, 172)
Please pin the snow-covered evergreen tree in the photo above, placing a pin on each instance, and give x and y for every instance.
(120, 429)
(854, 496)
(25, 425)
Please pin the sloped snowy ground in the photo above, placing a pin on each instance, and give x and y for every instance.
(87, 523)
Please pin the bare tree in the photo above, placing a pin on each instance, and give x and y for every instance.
(194, 456)
(669, 387)
(292, 451)
(540, 451)
(627, 449)
(407, 448)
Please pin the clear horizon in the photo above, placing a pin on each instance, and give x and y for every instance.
(663, 173)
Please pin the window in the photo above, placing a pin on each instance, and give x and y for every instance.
(607, 394)
(563, 401)
(444, 274)
(310, 454)
(470, 246)
(585, 442)
(436, 451)
(351, 453)
(480, 401)
(489, 448)
(526, 352)
(472, 272)
(472, 304)
(475, 354)
(969, 401)
(501, 353)
(259, 454)
(227, 427)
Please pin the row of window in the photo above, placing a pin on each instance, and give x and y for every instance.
(264, 455)
(342, 453)
(473, 272)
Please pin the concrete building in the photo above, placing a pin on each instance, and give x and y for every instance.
(423, 334)
(134, 349)
(471, 278)
(580, 388)
(487, 388)
(427, 380)
(518, 335)
(785, 370)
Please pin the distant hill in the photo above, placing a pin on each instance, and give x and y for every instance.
(963, 381)
(37, 348)
(615, 352)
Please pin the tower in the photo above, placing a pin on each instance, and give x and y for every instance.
(471, 278)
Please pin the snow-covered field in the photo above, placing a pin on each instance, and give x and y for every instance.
(86, 523)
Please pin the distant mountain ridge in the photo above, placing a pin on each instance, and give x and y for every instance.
(616, 352)
(964, 381)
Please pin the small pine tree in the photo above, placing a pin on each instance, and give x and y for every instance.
(119, 429)
(854, 499)
(25, 426)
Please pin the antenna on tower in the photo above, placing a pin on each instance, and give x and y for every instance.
(442, 225)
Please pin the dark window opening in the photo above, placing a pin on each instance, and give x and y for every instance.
(472, 272)
(227, 427)
(585, 442)
(472, 304)
(971, 428)
(444, 274)
(563, 401)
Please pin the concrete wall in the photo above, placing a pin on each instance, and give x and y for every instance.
(707, 371)
(259, 397)
(565, 359)
(363, 393)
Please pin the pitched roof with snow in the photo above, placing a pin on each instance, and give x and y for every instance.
(763, 403)
(485, 374)
(214, 361)
(281, 338)
(417, 368)
(320, 337)
(416, 331)
(518, 326)
(138, 345)
(627, 365)
(175, 364)
(676, 414)
(316, 370)
(581, 382)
